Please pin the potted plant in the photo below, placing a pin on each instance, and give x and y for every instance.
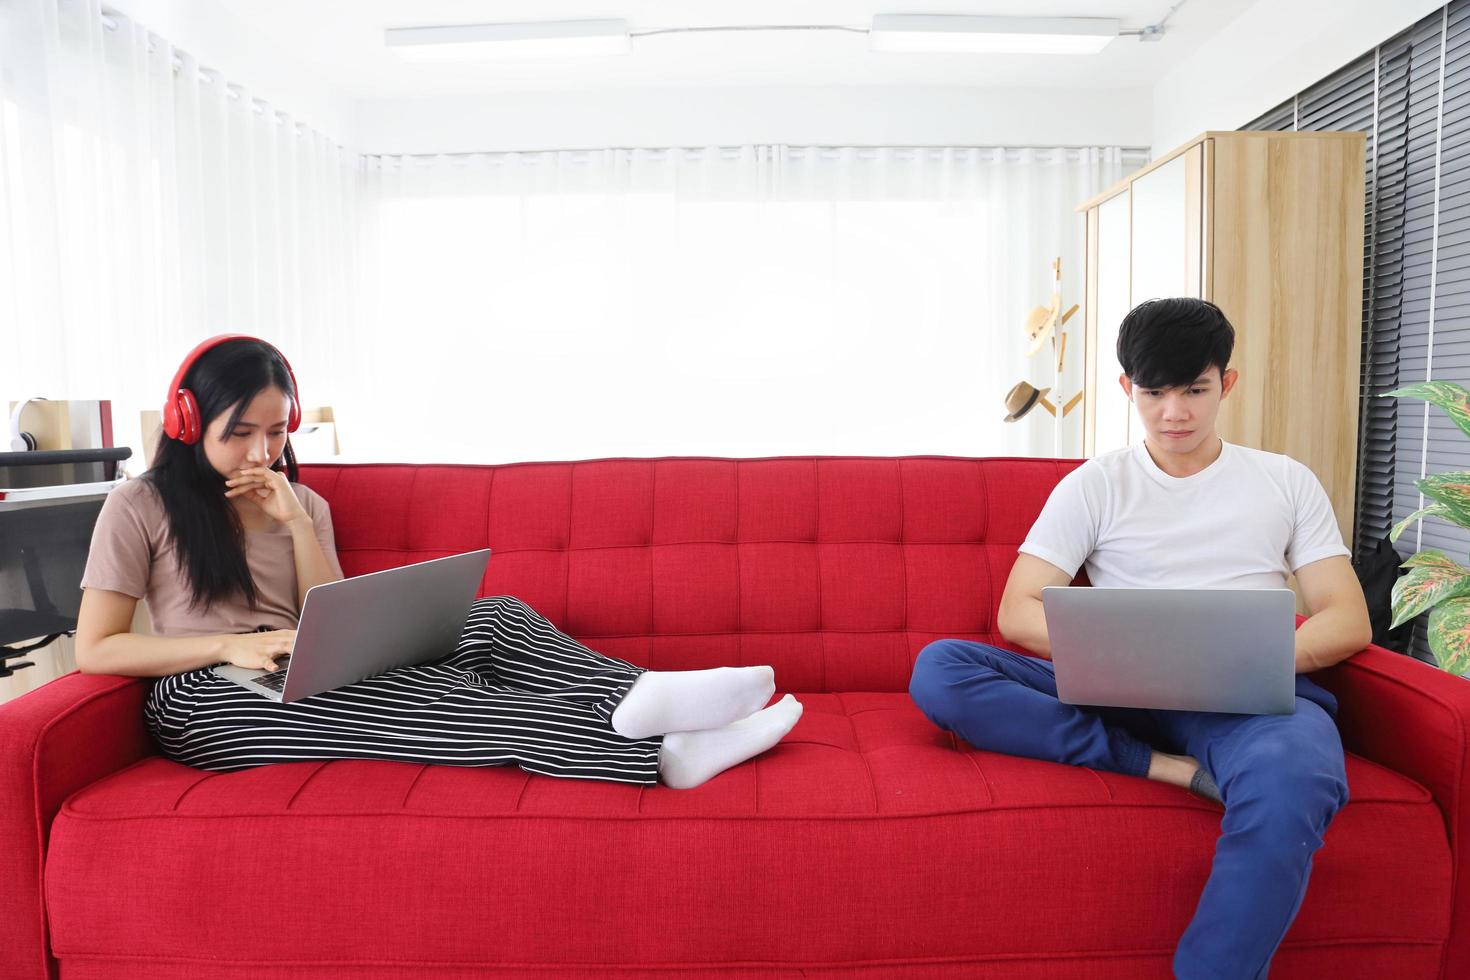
(1436, 581)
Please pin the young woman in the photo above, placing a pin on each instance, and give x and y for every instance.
(223, 543)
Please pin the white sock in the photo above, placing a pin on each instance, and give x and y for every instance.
(687, 759)
(663, 701)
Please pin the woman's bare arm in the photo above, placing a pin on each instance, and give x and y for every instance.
(312, 567)
(107, 645)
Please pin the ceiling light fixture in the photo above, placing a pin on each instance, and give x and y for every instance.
(888, 32)
(542, 39)
(991, 35)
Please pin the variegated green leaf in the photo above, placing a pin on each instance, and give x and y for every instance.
(1452, 490)
(1426, 585)
(1433, 510)
(1446, 394)
(1430, 558)
(1449, 635)
(1459, 666)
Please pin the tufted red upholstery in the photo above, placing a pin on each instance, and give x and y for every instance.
(868, 843)
(836, 571)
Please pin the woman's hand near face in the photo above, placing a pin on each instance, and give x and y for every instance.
(269, 490)
(257, 650)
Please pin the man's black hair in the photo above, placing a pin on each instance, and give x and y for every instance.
(1168, 343)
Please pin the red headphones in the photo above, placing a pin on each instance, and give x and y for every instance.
(181, 411)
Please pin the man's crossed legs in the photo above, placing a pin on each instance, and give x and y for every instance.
(1281, 777)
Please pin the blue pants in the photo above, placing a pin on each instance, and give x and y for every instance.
(1281, 777)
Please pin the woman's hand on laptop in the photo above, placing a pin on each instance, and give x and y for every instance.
(257, 651)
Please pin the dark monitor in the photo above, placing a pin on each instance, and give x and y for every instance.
(60, 467)
(43, 552)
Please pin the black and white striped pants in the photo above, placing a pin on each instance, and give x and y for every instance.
(516, 691)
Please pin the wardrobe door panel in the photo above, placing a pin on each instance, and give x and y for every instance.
(1114, 412)
(1167, 229)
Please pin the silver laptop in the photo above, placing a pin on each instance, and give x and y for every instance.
(361, 627)
(1231, 650)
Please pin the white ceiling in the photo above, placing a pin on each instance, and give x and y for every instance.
(341, 42)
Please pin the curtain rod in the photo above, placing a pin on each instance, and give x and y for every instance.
(112, 20)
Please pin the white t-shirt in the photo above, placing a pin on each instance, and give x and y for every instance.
(1243, 522)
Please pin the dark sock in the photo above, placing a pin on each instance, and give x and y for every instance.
(1203, 784)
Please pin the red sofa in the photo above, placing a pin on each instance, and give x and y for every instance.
(867, 844)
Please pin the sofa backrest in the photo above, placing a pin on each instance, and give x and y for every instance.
(836, 570)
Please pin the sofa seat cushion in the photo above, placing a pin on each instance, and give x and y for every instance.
(868, 835)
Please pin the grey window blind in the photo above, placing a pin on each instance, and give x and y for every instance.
(1346, 101)
(1420, 279)
(1411, 96)
(1280, 119)
(1384, 283)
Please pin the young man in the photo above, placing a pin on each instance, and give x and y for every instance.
(1181, 509)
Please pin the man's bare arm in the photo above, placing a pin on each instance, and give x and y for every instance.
(1021, 619)
(1338, 624)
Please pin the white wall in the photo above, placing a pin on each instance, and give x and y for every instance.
(857, 116)
(1273, 50)
(229, 44)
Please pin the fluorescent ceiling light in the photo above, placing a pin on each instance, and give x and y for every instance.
(996, 35)
(545, 39)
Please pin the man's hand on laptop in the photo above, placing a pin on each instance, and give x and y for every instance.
(256, 650)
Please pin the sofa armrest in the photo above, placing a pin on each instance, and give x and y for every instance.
(1415, 719)
(53, 741)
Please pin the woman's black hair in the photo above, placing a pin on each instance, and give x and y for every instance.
(1169, 343)
(202, 524)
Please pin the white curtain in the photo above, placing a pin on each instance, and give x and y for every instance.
(145, 204)
(755, 300)
(727, 301)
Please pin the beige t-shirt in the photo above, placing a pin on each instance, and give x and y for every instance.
(131, 553)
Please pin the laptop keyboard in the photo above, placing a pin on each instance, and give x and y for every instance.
(275, 681)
